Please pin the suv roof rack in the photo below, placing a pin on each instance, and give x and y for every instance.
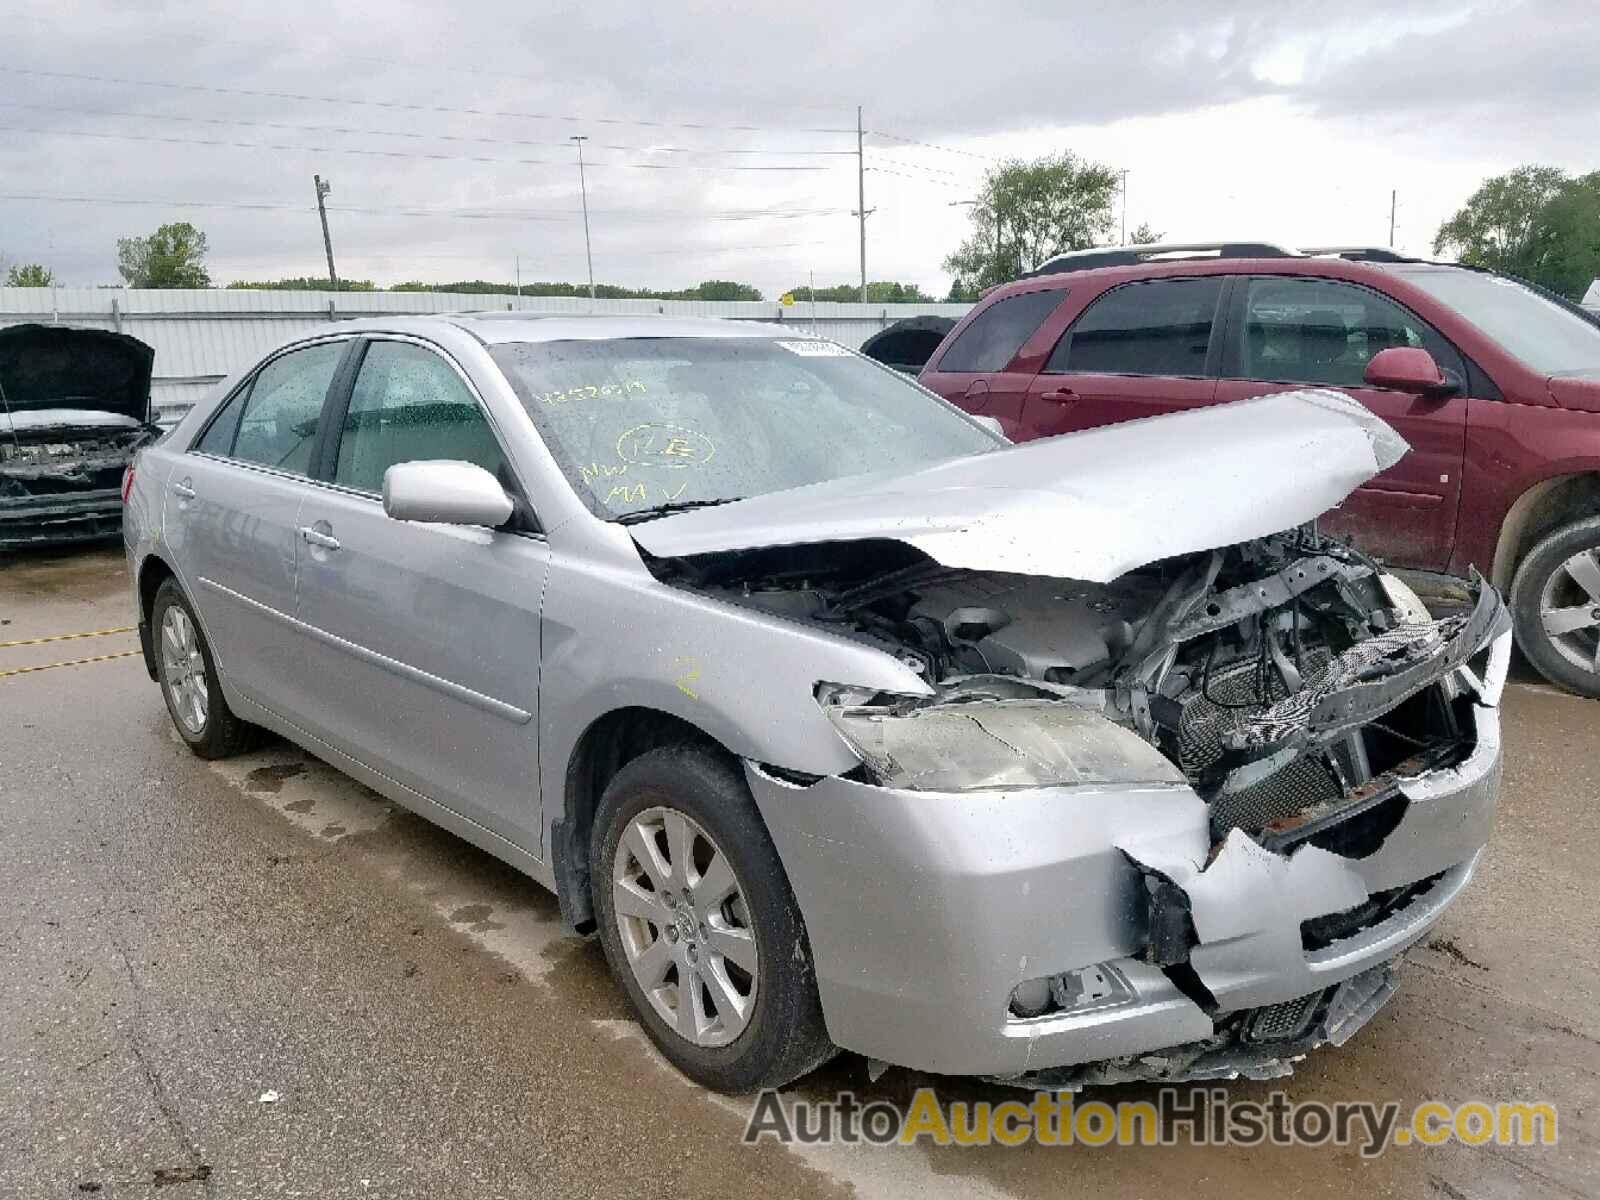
(1381, 254)
(1132, 256)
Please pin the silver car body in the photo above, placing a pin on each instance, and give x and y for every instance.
(467, 673)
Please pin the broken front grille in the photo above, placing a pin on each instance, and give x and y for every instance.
(1231, 699)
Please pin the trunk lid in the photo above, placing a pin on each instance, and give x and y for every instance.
(1092, 505)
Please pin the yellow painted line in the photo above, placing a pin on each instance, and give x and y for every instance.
(65, 637)
(75, 662)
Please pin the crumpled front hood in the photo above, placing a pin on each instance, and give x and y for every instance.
(1090, 506)
(57, 367)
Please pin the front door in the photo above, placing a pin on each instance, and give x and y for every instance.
(1140, 350)
(1296, 331)
(232, 506)
(426, 635)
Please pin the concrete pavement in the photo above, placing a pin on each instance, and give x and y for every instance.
(258, 978)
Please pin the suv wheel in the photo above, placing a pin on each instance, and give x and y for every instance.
(699, 924)
(189, 679)
(1555, 599)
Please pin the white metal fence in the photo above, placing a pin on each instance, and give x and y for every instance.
(202, 336)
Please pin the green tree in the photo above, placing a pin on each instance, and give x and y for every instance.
(171, 257)
(30, 275)
(1027, 212)
(1534, 222)
(304, 283)
(881, 291)
(1144, 236)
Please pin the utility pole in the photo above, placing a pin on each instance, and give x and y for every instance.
(323, 188)
(1394, 194)
(1123, 240)
(583, 188)
(519, 277)
(861, 200)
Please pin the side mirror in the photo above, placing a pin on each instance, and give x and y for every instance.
(445, 492)
(1409, 369)
(992, 424)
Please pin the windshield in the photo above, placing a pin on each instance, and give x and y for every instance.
(641, 424)
(1546, 336)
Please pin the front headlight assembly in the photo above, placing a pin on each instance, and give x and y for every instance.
(965, 745)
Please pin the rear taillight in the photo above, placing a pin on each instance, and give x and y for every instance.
(127, 482)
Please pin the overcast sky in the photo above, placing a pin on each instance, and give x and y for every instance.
(444, 128)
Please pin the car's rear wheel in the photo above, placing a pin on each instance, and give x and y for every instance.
(188, 677)
(1555, 599)
(700, 926)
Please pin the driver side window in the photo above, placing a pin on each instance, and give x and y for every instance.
(1299, 330)
(408, 404)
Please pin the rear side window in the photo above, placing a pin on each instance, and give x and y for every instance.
(218, 437)
(408, 405)
(1158, 328)
(999, 331)
(279, 425)
(1323, 331)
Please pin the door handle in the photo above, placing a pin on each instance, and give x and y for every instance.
(317, 538)
(1060, 396)
(183, 491)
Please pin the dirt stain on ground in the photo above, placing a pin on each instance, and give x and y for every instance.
(270, 780)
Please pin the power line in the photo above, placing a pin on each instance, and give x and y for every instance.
(365, 152)
(411, 134)
(895, 137)
(949, 183)
(406, 107)
(470, 214)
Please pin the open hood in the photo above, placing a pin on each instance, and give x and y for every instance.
(47, 368)
(1090, 506)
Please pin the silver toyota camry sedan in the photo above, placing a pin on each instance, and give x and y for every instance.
(838, 719)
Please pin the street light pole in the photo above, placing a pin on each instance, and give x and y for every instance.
(323, 188)
(583, 188)
(861, 201)
(1124, 239)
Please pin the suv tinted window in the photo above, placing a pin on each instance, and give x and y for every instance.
(1322, 331)
(998, 332)
(409, 404)
(279, 424)
(1158, 328)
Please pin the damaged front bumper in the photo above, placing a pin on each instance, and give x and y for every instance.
(50, 520)
(927, 911)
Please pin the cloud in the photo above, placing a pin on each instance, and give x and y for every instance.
(404, 102)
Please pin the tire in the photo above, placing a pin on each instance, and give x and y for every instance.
(1546, 592)
(214, 732)
(780, 1035)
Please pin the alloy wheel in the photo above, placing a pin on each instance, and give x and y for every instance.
(685, 927)
(183, 670)
(1569, 609)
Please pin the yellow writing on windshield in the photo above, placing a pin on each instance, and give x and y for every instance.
(592, 391)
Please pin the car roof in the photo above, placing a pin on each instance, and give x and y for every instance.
(1325, 264)
(498, 328)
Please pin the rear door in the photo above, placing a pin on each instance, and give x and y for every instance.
(232, 506)
(983, 369)
(1139, 350)
(1296, 331)
(425, 637)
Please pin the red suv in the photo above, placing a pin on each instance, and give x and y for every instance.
(1495, 384)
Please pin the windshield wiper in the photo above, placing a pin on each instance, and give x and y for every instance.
(670, 507)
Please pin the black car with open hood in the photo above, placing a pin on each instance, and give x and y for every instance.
(74, 407)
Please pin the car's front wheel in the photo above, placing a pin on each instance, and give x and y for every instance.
(189, 679)
(700, 926)
(1555, 600)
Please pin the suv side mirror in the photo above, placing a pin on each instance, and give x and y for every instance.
(445, 492)
(1409, 369)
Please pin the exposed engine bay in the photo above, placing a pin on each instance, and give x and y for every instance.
(1280, 677)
